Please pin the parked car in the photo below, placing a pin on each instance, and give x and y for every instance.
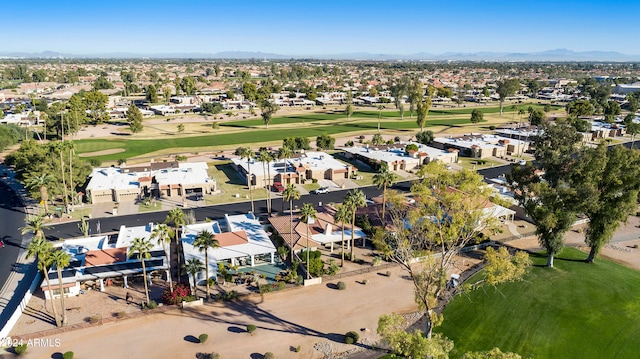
(321, 190)
(278, 187)
(1, 243)
(522, 162)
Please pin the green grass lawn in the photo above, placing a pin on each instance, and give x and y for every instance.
(575, 310)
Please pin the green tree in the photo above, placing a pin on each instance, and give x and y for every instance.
(342, 215)
(446, 216)
(60, 259)
(355, 199)
(611, 110)
(307, 215)
(411, 345)
(39, 75)
(203, 242)
(607, 183)
(134, 118)
(425, 137)
(151, 93)
(176, 218)
(101, 83)
(579, 108)
(267, 109)
(380, 108)
(40, 181)
(476, 115)
(633, 129)
(348, 110)
(249, 91)
(507, 88)
(377, 139)
(34, 225)
(415, 96)
(141, 247)
(246, 152)
(325, 142)
(41, 249)
(162, 234)
(188, 85)
(266, 158)
(536, 117)
(289, 194)
(96, 103)
(193, 266)
(422, 110)
(384, 179)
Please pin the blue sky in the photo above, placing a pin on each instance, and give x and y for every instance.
(320, 27)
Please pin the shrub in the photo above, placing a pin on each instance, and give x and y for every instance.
(281, 285)
(20, 349)
(203, 338)
(214, 355)
(492, 127)
(94, 319)
(177, 295)
(388, 274)
(251, 328)
(376, 261)
(638, 214)
(342, 286)
(269, 355)
(67, 355)
(121, 314)
(365, 282)
(151, 305)
(231, 295)
(351, 337)
(298, 349)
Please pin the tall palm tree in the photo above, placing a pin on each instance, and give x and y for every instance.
(203, 242)
(58, 148)
(284, 154)
(307, 214)
(34, 225)
(245, 152)
(354, 200)
(380, 108)
(162, 233)
(142, 248)
(176, 218)
(40, 181)
(384, 179)
(41, 249)
(266, 157)
(61, 259)
(289, 194)
(521, 113)
(193, 266)
(342, 215)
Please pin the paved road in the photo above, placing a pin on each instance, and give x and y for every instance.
(11, 218)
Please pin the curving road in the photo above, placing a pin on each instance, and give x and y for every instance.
(11, 218)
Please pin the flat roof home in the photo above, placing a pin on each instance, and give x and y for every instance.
(95, 259)
(397, 158)
(243, 243)
(481, 146)
(170, 179)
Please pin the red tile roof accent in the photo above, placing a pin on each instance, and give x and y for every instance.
(100, 257)
(232, 238)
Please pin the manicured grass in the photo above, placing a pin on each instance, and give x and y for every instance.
(575, 310)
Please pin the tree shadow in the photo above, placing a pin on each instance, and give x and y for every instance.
(191, 339)
(256, 356)
(332, 286)
(234, 329)
(57, 355)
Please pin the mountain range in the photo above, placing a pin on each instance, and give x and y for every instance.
(557, 55)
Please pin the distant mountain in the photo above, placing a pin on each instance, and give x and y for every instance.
(557, 55)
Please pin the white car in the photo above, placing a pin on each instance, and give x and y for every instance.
(522, 162)
(321, 190)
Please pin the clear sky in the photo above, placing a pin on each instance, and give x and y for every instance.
(320, 27)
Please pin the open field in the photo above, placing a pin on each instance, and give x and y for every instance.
(572, 310)
(198, 134)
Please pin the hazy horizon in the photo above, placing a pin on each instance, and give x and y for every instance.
(330, 27)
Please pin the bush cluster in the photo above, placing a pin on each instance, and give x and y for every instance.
(342, 286)
(203, 338)
(67, 355)
(20, 349)
(251, 328)
(177, 295)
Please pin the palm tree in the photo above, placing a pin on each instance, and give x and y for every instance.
(521, 112)
(176, 218)
(384, 179)
(307, 214)
(34, 225)
(58, 148)
(41, 249)
(193, 266)
(289, 194)
(203, 242)
(380, 108)
(40, 181)
(61, 259)
(284, 154)
(354, 200)
(266, 157)
(142, 247)
(342, 215)
(162, 233)
(245, 152)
